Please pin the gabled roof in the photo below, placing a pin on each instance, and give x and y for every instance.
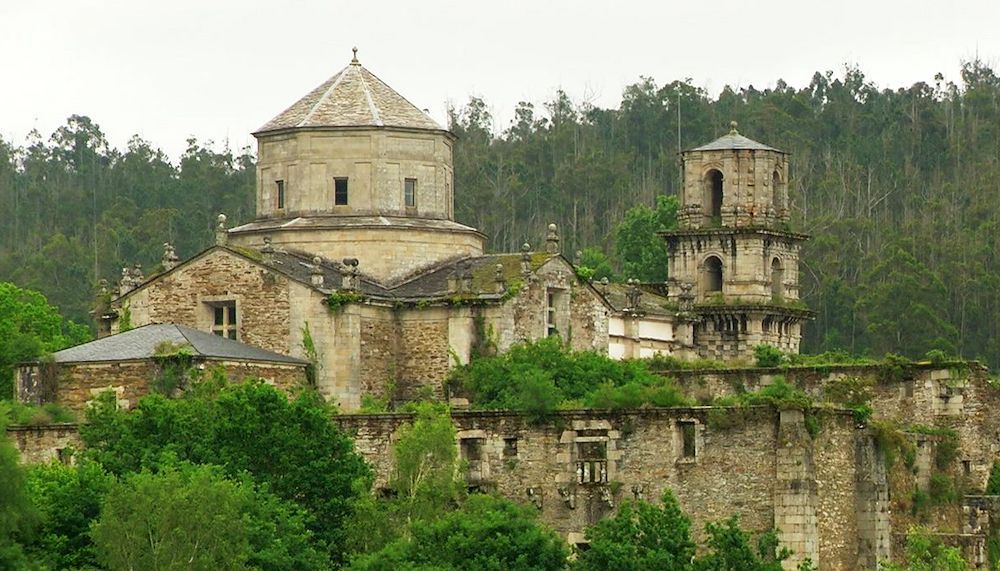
(734, 141)
(354, 97)
(143, 342)
(482, 269)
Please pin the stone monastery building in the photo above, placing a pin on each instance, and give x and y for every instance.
(355, 276)
(355, 260)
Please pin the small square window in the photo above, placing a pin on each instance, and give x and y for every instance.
(280, 184)
(472, 449)
(510, 447)
(224, 322)
(340, 191)
(410, 192)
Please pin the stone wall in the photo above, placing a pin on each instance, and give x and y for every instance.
(44, 444)
(186, 294)
(578, 467)
(375, 162)
(76, 384)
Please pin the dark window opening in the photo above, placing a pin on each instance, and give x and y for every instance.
(715, 180)
(777, 279)
(966, 467)
(713, 274)
(224, 322)
(410, 192)
(776, 191)
(64, 455)
(688, 443)
(592, 462)
(340, 191)
(582, 546)
(510, 447)
(280, 184)
(472, 449)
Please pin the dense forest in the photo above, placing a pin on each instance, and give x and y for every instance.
(900, 189)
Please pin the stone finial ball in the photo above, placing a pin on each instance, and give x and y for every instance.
(553, 227)
(317, 260)
(222, 218)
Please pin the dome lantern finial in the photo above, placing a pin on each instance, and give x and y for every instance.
(354, 60)
(732, 128)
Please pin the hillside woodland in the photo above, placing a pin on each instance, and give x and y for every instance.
(899, 187)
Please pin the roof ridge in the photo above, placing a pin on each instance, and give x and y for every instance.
(376, 117)
(403, 97)
(336, 81)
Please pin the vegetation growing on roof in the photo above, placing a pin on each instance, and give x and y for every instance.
(338, 299)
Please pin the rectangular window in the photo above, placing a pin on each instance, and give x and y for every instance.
(340, 191)
(224, 322)
(280, 184)
(472, 449)
(688, 442)
(592, 462)
(410, 192)
(510, 447)
(550, 314)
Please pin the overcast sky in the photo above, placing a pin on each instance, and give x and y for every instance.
(217, 70)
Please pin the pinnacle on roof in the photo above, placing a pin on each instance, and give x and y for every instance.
(354, 97)
(734, 141)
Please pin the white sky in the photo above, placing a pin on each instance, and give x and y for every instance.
(218, 69)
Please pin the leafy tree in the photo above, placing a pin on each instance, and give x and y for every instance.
(426, 478)
(29, 328)
(487, 533)
(730, 549)
(17, 516)
(642, 252)
(594, 264)
(924, 553)
(68, 500)
(289, 445)
(176, 519)
(549, 375)
(640, 536)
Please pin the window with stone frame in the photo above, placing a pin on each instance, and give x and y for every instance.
(280, 193)
(340, 191)
(472, 453)
(510, 447)
(410, 192)
(687, 431)
(592, 462)
(224, 320)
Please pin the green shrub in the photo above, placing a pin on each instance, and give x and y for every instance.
(768, 356)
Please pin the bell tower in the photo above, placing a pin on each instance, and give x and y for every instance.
(733, 261)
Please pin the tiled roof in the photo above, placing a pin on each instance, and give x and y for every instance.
(355, 97)
(299, 266)
(734, 141)
(482, 269)
(142, 343)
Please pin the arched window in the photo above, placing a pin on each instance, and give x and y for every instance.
(713, 274)
(776, 194)
(714, 194)
(777, 279)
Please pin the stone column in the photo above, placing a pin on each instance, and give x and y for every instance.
(795, 490)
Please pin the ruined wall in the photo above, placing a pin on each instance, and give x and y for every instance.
(580, 317)
(578, 467)
(186, 294)
(76, 384)
(44, 444)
